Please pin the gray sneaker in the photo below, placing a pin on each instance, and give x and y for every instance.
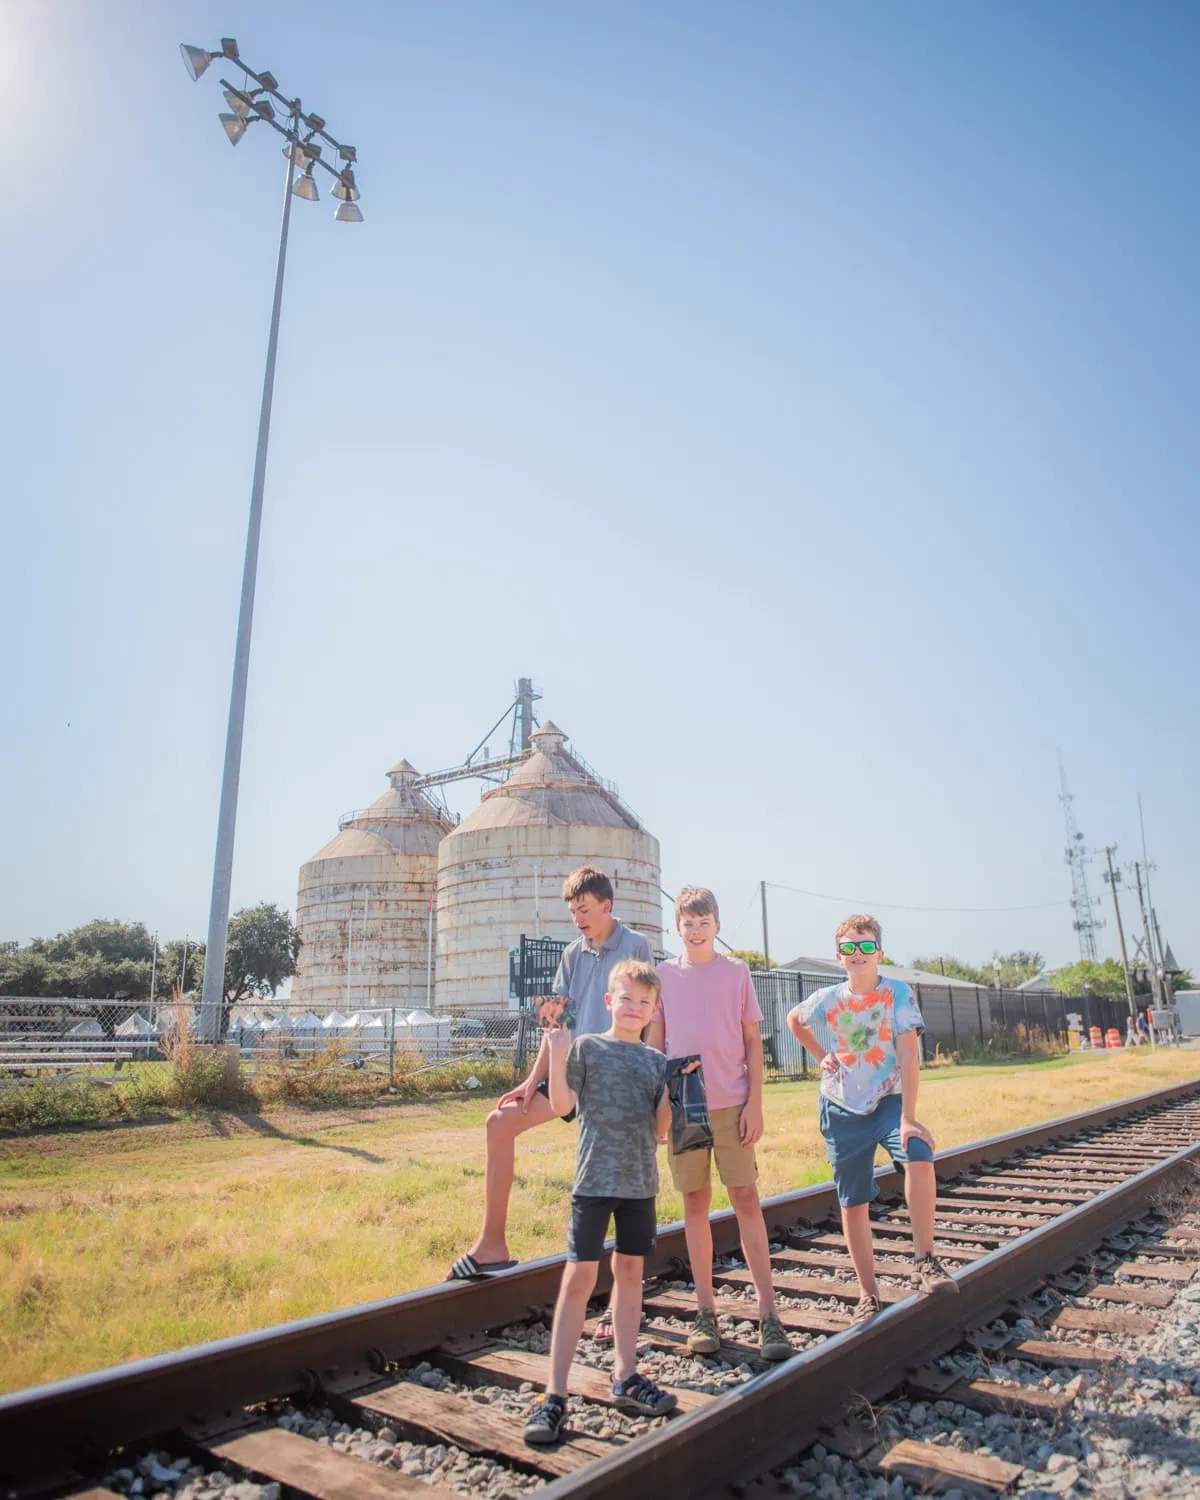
(704, 1338)
(865, 1309)
(773, 1343)
(930, 1275)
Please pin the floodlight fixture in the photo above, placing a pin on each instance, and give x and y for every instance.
(240, 103)
(269, 82)
(195, 60)
(314, 122)
(234, 127)
(304, 186)
(347, 153)
(345, 188)
(299, 155)
(264, 108)
(348, 213)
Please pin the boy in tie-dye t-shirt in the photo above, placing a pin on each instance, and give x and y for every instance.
(865, 1033)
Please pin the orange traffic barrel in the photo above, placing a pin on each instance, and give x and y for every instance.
(1095, 1036)
(1112, 1037)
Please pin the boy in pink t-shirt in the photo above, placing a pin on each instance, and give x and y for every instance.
(708, 1006)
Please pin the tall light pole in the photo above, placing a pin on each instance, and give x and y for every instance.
(306, 138)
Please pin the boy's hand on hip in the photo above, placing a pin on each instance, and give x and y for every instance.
(522, 1095)
(913, 1128)
(829, 1063)
(750, 1123)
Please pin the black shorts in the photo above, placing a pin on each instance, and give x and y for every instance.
(636, 1221)
(543, 1088)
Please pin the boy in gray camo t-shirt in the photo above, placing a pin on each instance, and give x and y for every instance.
(618, 1085)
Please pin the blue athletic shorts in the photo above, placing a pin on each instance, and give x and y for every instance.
(850, 1142)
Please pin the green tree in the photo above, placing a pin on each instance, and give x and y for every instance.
(954, 968)
(1017, 967)
(752, 956)
(1085, 978)
(105, 959)
(260, 953)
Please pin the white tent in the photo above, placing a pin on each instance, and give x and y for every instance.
(431, 1033)
(136, 1025)
(87, 1028)
(368, 1031)
(306, 1030)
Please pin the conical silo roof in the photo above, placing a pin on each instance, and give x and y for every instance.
(550, 787)
(401, 820)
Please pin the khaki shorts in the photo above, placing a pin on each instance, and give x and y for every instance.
(736, 1164)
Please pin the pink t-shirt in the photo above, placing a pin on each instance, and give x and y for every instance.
(704, 1006)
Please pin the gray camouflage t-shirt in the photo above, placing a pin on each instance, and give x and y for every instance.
(619, 1085)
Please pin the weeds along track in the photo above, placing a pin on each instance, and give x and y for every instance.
(1064, 1226)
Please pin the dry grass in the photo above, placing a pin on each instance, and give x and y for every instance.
(131, 1240)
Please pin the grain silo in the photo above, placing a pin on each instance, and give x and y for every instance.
(363, 908)
(500, 872)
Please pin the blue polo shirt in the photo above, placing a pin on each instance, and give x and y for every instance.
(583, 972)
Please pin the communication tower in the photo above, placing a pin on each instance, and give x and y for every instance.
(1086, 923)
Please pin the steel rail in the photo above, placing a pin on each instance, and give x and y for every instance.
(81, 1417)
(760, 1425)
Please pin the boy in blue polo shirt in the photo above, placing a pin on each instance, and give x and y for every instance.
(870, 1061)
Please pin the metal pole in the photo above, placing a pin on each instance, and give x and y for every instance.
(349, 949)
(429, 957)
(366, 914)
(213, 993)
(183, 967)
(153, 967)
(762, 887)
(1109, 850)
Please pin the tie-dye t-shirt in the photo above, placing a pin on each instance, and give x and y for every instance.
(861, 1031)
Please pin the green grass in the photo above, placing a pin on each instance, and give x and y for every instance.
(132, 1239)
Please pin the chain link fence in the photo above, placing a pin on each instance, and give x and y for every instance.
(958, 1017)
(116, 1044)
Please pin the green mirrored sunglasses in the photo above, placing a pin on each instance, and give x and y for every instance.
(867, 945)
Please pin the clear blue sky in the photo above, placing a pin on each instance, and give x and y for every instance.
(803, 395)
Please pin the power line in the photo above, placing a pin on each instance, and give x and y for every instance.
(900, 906)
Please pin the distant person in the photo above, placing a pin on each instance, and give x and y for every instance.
(1143, 1028)
(709, 1007)
(618, 1085)
(869, 1081)
(582, 980)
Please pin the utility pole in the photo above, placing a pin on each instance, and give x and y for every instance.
(1112, 878)
(762, 890)
(1151, 962)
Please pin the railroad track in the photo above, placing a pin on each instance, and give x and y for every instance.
(1036, 1225)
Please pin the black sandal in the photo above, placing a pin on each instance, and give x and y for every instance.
(467, 1268)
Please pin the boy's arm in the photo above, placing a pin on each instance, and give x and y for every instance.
(750, 1122)
(563, 1097)
(656, 1034)
(908, 1050)
(825, 1060)
(662, 1115)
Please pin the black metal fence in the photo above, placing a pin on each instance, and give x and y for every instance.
(957, 1017)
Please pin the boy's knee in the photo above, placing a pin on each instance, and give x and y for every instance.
(919, 1171)
(698, 1202)
(579, 1278)
(627, 1268)
(743, 1199)
(499, 1122)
